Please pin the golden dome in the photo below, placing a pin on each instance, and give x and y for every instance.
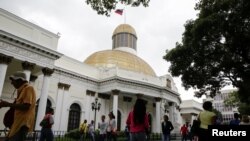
(121, 59)
(124, 28)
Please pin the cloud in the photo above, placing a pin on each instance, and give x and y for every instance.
(83, 32)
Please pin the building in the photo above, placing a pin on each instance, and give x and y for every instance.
(189, 110)
(116, 77)
(226, 111)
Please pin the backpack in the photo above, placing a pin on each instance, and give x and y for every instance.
(45, 123)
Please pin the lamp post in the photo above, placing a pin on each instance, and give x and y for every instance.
(95, 106)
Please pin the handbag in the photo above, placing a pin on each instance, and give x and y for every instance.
(9, 118)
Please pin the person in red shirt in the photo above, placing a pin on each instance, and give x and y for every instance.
(46, 132)
(138, 121)
(184, 132)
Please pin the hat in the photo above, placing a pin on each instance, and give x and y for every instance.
(18, 75)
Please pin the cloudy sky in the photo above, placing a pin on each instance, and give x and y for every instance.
(83, 32)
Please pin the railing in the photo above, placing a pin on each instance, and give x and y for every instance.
(75, 136)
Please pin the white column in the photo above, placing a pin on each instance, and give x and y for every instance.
(171, 111)
(88, 108)
(32, 79)
(4, 61)
(43, 97)
(88, 105)
(27, 73)
(58, 109)
(158, 115)
(65, 109)
(115, 103)
(3, 69)
(27, 68)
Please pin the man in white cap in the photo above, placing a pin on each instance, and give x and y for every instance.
(24, 105)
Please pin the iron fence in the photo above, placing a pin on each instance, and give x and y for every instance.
(75, 136)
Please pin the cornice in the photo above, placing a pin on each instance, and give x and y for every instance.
(142, 84)
(76, 76)
(118, 80)
(28, 45)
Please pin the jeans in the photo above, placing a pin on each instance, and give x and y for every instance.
(102, 137)
(165, 137)
(138, 136)
(46, 134)
(83, 137)
(111, 136)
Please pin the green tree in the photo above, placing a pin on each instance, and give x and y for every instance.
(234, 101)
(215, 49)
(104, 7)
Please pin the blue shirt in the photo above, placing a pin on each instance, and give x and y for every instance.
(234, 122)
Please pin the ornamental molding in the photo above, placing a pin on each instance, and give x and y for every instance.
(28, 45)
(107, 85)
(72, 76)
(26, 55)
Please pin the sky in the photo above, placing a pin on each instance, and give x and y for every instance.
(84, 32)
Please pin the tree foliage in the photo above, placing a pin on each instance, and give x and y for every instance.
(234, 101)
(104, 7)
(215, 49)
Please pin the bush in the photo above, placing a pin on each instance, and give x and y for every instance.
(75, 134)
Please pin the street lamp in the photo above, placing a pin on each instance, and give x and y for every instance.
(95, 106)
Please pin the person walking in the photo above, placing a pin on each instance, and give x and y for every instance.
(127, 134)
(83, 130)
(111, 130)
(138, 121)
(103, 129)
(24, 108)
(47, 122)
(166, 128)
(184, 132)
(206, 117)
(92, 130)
(195, 130)
(236, 120)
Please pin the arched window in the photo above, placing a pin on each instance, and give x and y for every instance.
(74, 117)
(168, 83)
(119, 117)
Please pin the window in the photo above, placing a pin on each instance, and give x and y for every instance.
(74, 117)
(124, 40)
(168, 83)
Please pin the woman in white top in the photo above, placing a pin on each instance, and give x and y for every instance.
(103, 129)
(92, 130)
(111, 130)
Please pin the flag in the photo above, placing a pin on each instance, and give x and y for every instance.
(119, 11)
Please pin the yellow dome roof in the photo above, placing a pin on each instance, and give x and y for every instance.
(121, 59)
(124, 28)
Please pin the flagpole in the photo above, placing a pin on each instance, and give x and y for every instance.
(124, 15)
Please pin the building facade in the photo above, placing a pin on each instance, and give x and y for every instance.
(226, 111)
(116, 77)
